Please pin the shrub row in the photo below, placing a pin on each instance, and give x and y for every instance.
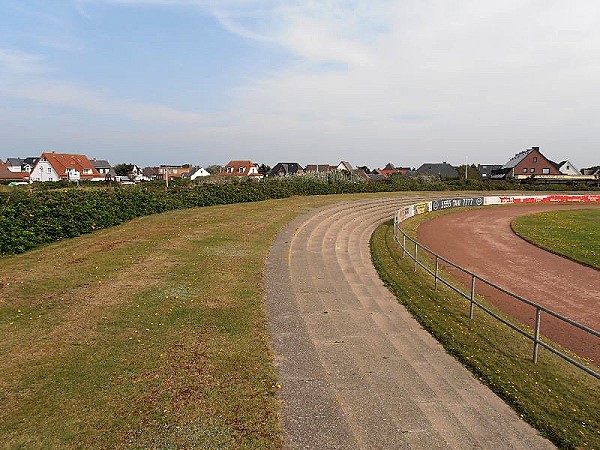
(31, 217)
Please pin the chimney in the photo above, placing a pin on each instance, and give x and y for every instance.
(535, 148)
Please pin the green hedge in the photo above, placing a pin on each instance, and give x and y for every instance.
(30, 217)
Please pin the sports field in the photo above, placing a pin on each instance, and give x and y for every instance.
(574, 234)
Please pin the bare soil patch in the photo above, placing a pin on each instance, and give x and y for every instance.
(483, 241)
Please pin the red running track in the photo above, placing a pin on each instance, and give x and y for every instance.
(483, 241)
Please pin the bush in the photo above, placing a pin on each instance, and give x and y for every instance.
(36, 215)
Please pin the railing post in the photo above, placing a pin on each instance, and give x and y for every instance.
(437, 268)
(403, 244)
(472, 307)
(416, 256)
(536, 336)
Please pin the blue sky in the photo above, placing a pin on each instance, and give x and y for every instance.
(368, 81)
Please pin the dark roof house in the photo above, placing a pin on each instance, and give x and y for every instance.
(286, 169)
(442, 170)
(486, 170)
(103, 167)
(21, 164)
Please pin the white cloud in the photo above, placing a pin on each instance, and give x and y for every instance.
(23, 76)
(15, 61)
(67, 95)
(398, 80)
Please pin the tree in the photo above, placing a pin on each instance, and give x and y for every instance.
(213, 169)
(264, 169)
(123, 169)
(472, 172)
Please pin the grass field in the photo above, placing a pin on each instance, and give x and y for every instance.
(146, 335)
(552, 395)
(574, 234)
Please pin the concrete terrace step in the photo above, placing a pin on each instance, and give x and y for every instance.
(357, 371)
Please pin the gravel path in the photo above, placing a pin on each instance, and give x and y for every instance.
(357, 371)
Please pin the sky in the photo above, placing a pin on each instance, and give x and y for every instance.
(309, 81)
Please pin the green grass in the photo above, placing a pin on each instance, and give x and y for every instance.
(574, 234)
(553, 396)
(150, 334)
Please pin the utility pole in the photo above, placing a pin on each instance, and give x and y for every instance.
(466, 166)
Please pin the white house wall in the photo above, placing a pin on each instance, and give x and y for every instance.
(43, 171)
(569, 169)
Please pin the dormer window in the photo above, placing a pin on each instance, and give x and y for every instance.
(241, 169)
(88, 171)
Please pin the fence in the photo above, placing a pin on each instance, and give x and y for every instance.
(406, 241)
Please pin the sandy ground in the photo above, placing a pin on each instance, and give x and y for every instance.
(482, 241)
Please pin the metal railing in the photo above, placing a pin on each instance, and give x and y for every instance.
(405, 241)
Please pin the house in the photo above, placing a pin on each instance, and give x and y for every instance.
(152, 173)
(286, 169)
(594, 171)
(104, 168)
(567, 168)
(486, 170)
(376, 176)
(173, 171)
(63, 166)
(241, 169)
(198, 172)
(137, 174)
(360, 173)
(21, 164)
(343, 165)
(320, 168)
(390, 170)
(8, 175)
(525, 164)
(442, 170)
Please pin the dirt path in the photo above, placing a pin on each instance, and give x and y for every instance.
(483, 242)
(357, 371)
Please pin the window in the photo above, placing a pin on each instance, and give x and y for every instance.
(229, 169)
(535, 159)
(241, 170)
(546, 170)
(49, 169)
(87, 170)
(524, 169)
(532, 170)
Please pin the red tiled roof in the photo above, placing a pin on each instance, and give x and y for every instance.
(236, 168)
(7, 175)
(60, 162)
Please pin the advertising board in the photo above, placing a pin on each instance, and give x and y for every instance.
(421, 208)
(446, 203)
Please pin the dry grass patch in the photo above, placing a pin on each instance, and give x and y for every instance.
(147, 335)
